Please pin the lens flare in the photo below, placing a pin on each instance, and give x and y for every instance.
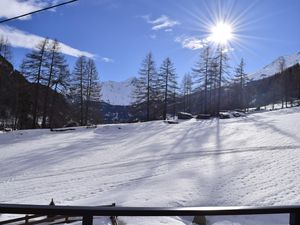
(221, 33)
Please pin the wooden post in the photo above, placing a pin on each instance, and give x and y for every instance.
(51, 204)
(200, 220)
(87, 220)
(113, 219)
(26, 219)
(295, 218)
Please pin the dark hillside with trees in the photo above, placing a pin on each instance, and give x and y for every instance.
(281, 88)
(47, 95)
(211, 88)
(17, 96)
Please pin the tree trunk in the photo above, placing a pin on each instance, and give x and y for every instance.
(45, 108)
(81, 97)
(205, 87)
(166, 96)
(148, 95)
(53, 107)
(220, 82)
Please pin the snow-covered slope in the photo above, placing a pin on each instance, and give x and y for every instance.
(117, 93)
(274, 67)
(253, 160)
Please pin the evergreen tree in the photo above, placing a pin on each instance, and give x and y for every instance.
(93, 90)
(5, 48)
(168, 84)
(201, 72)
(79, 84)
(212, 85)
(86, 87)
(240, 81)
(222, 60)
(60, 84)
(284, 88)
(174, 97)
(146, 90)
(186, 87)
(54, 61)
(33, 67)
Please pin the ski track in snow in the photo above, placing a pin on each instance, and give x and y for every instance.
(253, 160)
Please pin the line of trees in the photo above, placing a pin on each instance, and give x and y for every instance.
(212, 86)
(211, 74)
(46, 67)
(155, 91)
(85, 87)
(157, 94)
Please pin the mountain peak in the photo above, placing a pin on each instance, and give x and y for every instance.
(274, 67)
(118, 92)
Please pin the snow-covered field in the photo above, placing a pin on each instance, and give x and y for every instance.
(247, 161)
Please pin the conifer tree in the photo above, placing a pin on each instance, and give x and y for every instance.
(240, 80)
(85, 87)
(213, 84)
(222, 59)
(79, 84)
(61, 82)
(146, 85)
(5, 48)
(33, 67)
(201, 72)
(54, 61)
(168, 84)
(282, 67)
(93, 90)
(186, 87)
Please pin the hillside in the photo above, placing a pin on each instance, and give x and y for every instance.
(253, 160)
(17, 97)
(274, 67)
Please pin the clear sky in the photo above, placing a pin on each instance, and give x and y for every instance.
(119, 33)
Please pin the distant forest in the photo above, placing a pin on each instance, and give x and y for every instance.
(211, 86)
(45, 93)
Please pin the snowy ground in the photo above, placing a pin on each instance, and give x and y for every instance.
(247, 161)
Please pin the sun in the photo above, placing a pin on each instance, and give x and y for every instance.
(221, 33)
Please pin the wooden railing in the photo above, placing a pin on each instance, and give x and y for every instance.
(50, 218)
(87, 212)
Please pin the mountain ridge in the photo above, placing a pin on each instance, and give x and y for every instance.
(274, 67)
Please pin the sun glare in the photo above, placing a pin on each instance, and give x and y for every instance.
(221, 33)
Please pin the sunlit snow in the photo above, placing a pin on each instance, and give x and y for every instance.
(246, 161)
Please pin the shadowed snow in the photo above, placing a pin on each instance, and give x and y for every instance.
(253, 160)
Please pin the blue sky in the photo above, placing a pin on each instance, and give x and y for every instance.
(119, 33)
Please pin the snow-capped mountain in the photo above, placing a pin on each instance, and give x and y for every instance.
(274, 67)
(117, 92)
